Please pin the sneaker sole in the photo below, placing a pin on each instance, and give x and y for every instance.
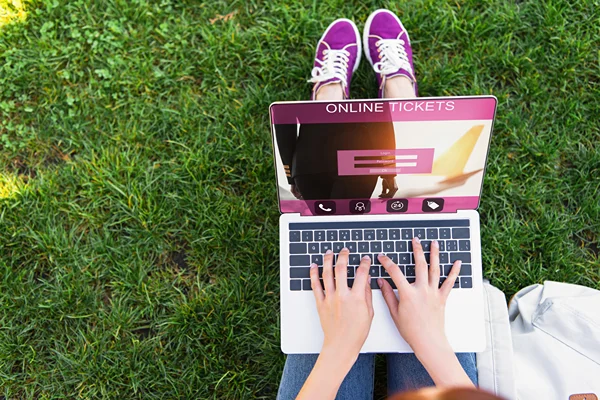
(368, 27)
(358, 42)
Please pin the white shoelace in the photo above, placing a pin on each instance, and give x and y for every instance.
(393, 57)
(333, 65)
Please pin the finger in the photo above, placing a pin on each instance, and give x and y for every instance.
(420, 262)
(341, 270)
(315, 284)
(362, 273)
(369, 295)
(328, 273)
(388, 295)
(434, 267)
(449, 282)
(394, 272)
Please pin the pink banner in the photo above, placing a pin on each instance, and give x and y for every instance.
(383, 162)
(419, 109)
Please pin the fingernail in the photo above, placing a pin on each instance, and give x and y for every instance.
(459, 262)
(313, 265)
(381, 255)
(328, 252)
(380, 282)
(369, 278)
(435, 243)
(366, 258)
(417, 239)
(344, 249)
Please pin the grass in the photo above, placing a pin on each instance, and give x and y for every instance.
(138, 215)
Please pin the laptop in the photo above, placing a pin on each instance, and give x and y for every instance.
(370, 175)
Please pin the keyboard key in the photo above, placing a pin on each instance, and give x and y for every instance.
(367, 254)
(442, 280)
(388, 247)
(410, 270)
(296, 261)
(363, 247)
(382, 234)
(394, 234)
(303, 272)
(393, 257)
(401, 247)
(306, 284)
(294, 236)
(456, 284)
(464, 245)
(404, 258)
(345, 235)
(351, 246)
(432, 233)
(307, 236)
(319, 236)
(374, 271)
(445, 233)
(374, 284)
(317, 259)
(466, 270)
(466, 282)
(442, 245)
(369, 234)
(464, 257)
(320, 272)
(354, 259)
(350, 283)
(384, 273)
(451, 245)
(350, 272)
(444, 259)
(420, 233)
(447, 269)
(337, 247)
(461, 233)
(411, 280)
(376, 259)
(375, 247)
(426, 244)
(325, 246)
(391, 282)
(357, 235)
(313, 247)
(297, 248)
(410, 246)
(407, 234)
(332, 236)
(295, 284)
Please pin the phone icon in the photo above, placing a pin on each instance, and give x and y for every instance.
(325, 207)
(322, 207)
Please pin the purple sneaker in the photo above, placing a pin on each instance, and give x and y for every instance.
(337, 56)
(387, 47)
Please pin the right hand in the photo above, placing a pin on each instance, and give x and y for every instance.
(420, 313)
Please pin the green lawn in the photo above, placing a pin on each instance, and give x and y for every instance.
(138, 214)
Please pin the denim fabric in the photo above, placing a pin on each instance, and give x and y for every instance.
(405, 372)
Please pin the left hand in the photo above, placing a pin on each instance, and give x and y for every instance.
(389, 187)
(345, 313)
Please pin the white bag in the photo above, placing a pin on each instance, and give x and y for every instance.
(556, 341)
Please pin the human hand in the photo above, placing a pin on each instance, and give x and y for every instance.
(419, 315)
(296, 192)
(388, 186)
(345, 313)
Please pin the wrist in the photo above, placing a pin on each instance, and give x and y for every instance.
(340, 357)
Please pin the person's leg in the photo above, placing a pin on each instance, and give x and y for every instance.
(358, 384)
(405, 371)
(354, 187)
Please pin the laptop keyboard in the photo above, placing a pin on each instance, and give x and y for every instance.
(310, 240)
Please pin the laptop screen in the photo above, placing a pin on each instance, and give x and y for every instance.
(424, 155)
